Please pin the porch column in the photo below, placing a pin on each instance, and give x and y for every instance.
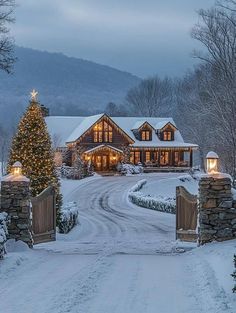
(191, 157)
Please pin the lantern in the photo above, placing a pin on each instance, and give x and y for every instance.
(212, 160)
(17, 169)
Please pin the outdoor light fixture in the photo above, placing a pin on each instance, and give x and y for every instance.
(212, 162)
(17, 168)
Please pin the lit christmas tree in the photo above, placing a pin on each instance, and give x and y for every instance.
(32, 147)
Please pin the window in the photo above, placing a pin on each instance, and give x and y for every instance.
(164, 158)
(167, 135)
(146, 135)
(135, 157)
(148, 156)
(102, 132)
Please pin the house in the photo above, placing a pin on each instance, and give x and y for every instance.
(106, 141)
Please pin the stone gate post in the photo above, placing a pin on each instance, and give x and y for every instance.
(15, 200)
(217, 210)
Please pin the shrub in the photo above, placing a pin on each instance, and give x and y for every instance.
(234, 274)
(69, 217)
(3, 233)
(125, 168)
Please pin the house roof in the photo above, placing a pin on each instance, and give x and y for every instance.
(69, 129)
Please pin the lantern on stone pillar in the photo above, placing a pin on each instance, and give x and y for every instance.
(212, 163)
(17, 169)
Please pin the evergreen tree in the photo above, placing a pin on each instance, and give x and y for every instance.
(32, 147)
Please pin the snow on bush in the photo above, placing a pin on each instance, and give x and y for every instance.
(160, 203)
(129, 169)
(69, 217)
(234, 274)
(79, 171)
(3, 233)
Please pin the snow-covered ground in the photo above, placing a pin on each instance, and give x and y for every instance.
(166, 187)
(120, 259)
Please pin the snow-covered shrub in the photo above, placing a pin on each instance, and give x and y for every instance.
(125, 168)
(69, 217)
(234, 274)
(139, 185)
(78, 171)
(163, 204)
(3, 233)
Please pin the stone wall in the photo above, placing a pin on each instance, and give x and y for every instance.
(217, 210)
(15, 201)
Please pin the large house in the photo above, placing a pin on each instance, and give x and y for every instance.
(106, 141)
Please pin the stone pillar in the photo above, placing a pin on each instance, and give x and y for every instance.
(217, 210)
(15, 200)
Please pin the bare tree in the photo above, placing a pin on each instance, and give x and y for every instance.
(217, 32)
(152, 97)
(6, 42)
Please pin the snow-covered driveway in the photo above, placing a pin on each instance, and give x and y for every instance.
(121, 259)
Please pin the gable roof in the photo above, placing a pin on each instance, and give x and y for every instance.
(162, 124)
(85, 124)
(139, 124)
(89, 122)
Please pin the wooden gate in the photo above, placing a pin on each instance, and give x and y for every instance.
(44, 216)
(186, 215)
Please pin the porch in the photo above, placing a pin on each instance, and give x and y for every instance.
(104, 158)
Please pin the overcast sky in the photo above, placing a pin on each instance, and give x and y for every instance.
(144, 37)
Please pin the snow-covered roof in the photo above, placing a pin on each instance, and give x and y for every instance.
(69, 129)
(162, 124)
(87, 122)
(60, 127)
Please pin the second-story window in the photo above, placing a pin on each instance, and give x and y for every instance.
(102, 132)
(167, 136)
(145, 135)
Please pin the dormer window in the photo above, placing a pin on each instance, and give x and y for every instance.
(145, 135)
(167, 135)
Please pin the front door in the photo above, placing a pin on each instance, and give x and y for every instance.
(101, 163)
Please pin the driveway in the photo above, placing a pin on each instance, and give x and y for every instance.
(119, 259)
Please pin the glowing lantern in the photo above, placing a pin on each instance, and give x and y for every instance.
(212, 160)
(17, 168)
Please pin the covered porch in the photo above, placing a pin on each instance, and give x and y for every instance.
(163, 158)
(104, 157)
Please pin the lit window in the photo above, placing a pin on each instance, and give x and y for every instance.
(148, 156)
(167, 135)
(102, 132)
(136, 157)
(145, 135)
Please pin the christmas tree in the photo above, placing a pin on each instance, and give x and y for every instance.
(32, 147)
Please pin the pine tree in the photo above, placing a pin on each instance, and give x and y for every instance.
(32, 147)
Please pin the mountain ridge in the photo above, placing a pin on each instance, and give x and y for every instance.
(67, 85)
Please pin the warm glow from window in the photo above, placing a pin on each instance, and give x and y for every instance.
(167, 135)
(148, 156)
(146, 135)
(102, 132)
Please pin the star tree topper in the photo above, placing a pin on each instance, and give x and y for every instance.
(34, 95)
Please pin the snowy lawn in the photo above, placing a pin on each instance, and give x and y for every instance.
(160, 194)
